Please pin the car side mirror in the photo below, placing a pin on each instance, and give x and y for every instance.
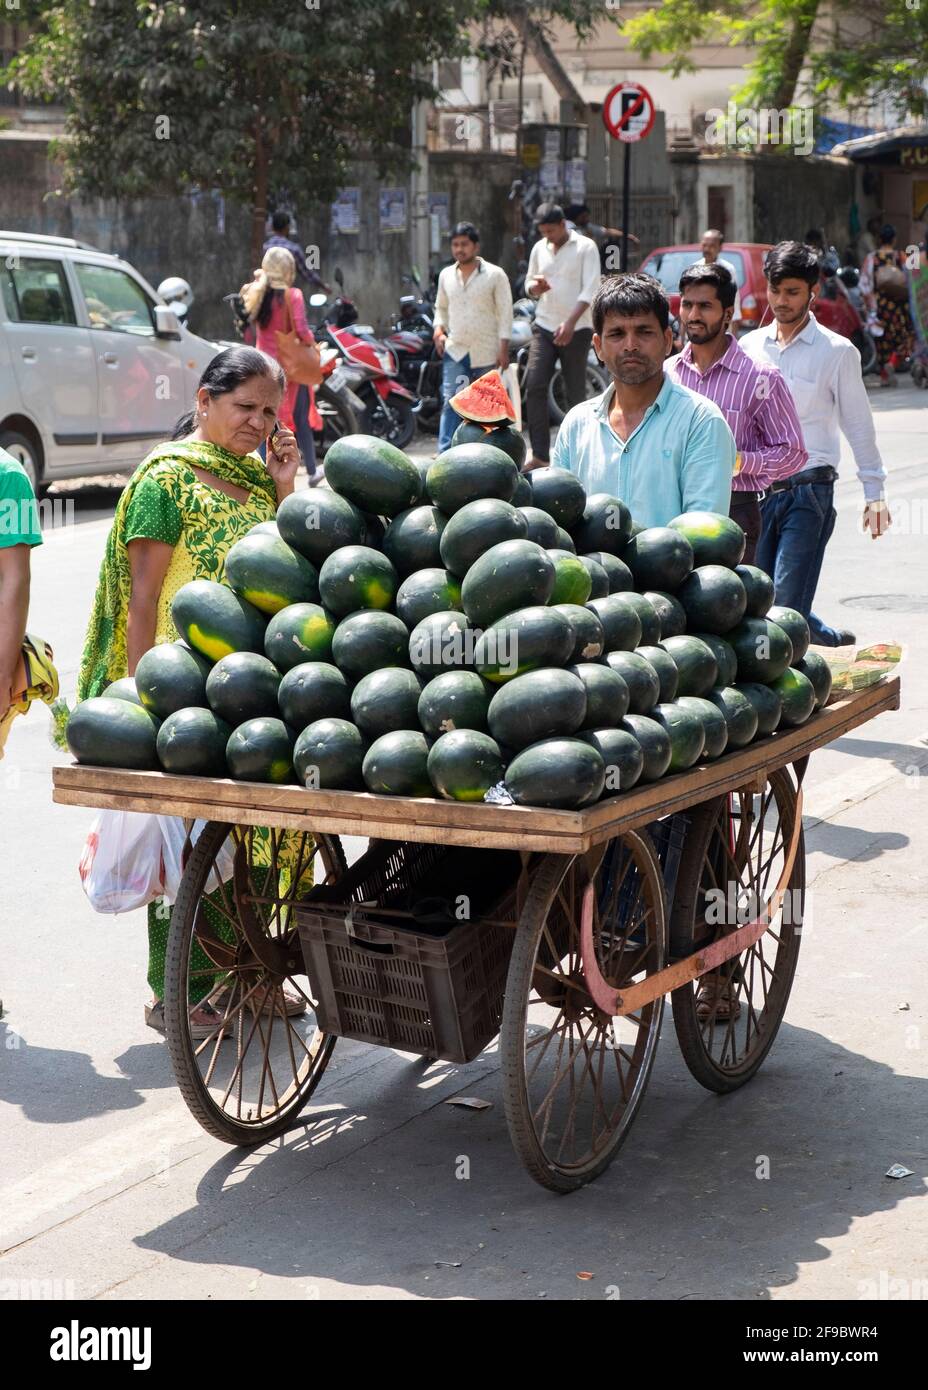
(166, 323)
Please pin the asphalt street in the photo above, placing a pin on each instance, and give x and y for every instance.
(111, 1190)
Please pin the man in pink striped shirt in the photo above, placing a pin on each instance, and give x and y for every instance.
(753, 397)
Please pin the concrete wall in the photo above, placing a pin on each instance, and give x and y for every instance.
(207, 241)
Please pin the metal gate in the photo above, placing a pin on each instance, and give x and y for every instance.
(652, 218)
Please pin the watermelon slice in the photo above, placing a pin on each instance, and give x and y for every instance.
(485, 400)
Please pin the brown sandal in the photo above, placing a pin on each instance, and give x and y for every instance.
(717, 999)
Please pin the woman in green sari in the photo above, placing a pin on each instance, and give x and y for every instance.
(184, 507)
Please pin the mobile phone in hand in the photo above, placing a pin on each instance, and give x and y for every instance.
(270, 438)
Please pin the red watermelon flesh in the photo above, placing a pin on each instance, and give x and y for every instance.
(485, 400)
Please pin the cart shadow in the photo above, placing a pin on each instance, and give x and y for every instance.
(847, 843)
(902, 756)
(52, 1086)
(712, 1197)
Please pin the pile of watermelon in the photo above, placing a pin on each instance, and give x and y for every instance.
(458, 627)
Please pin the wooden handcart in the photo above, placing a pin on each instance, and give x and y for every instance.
(565, 944)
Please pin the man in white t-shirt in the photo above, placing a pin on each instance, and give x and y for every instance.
(563, 276)
(711, 243)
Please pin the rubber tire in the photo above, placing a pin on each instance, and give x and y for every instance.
(689, 1036)
(341, 417)
(25, 452)
(183, 1062)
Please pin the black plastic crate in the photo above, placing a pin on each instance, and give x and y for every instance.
(433, 987)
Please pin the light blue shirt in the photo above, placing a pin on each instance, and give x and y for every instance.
(681, 458)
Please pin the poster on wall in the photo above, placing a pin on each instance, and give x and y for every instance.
(576, 180)
(346, 212)
(440, 206)
(393, 209)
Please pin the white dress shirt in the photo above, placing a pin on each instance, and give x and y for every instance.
(822, 370)
(572, 271)
(475, 313)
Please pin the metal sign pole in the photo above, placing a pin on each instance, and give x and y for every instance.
(626, 205)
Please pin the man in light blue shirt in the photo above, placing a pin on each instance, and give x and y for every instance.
(658, 446)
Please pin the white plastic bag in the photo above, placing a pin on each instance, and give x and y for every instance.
(511, 382)
(121, 866)
(174, 837)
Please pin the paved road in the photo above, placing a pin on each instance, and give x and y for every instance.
(110, 1188)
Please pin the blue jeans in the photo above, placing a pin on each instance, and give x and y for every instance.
(798, 523)
(454, 376)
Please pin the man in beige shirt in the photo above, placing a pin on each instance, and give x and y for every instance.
(473, 321)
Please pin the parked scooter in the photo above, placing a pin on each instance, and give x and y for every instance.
(419, 363)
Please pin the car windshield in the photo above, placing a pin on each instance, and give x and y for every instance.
(668, 266)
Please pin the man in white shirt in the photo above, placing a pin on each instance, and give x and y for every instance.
(822, 371)
(711, 243)
(473, 321)
(563, 275)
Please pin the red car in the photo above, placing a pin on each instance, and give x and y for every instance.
(668, 263)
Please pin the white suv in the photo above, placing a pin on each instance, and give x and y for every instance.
(94, 369)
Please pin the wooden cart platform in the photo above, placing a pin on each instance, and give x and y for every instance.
(433, 821)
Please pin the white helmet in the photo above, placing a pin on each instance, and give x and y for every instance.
(177, 294)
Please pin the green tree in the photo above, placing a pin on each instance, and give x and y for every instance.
(806, 51)
(245, 96)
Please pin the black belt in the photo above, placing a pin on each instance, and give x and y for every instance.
(737, 495)
(825, 474)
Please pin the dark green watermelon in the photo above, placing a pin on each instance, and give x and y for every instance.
(412, 541)
(427, 591)
(313, 690)
(561, 495)
(620, 619)
(724, 654)
(763, 649)
(317, 521)
(713, 598)
(558, 773)
(795, 627)
(125, 689)
(463, 765)
(599, 579)
(641, 678)
(261, 750)
(522, 497)
(302, 632)
(816, 668)
(475, 528)
(606, 524)
(505, 437)
(798, 695)
(454, 700)
(243, 686)
(538, 705)
(758, 587)
(270, 574)
(527, 640)
(740, 714)
(386, 700)
(442, 642)
(696, 663)
(328, 755)
(372, 474)
(367, 641)
(214, 621)
(654, 742)
(397, 764)
(113, 733)
(192, 743)
(169, 678)
(469, 472)
(355, 578)
(541, 528)
(606, 694)
(647, 617)
(659, 558)
(565, 541)
(714, 723)
(573, 580)
(589, 637)
(767, 702)
(687, 734)
(716, 539)
(617, 572)
(515, 574)
(670, 613)
(622, 754)
(666, 668)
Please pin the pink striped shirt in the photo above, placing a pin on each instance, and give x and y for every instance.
(756, 402)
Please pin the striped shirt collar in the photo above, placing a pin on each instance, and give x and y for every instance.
(733, 359)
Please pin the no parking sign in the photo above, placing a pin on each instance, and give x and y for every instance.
(628, 112)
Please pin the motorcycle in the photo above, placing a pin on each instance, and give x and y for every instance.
(372, 368)
(419, 363)
(840, 307)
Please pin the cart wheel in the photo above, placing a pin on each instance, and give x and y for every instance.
(573, 1075)
(734, 857)
(233, 943)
